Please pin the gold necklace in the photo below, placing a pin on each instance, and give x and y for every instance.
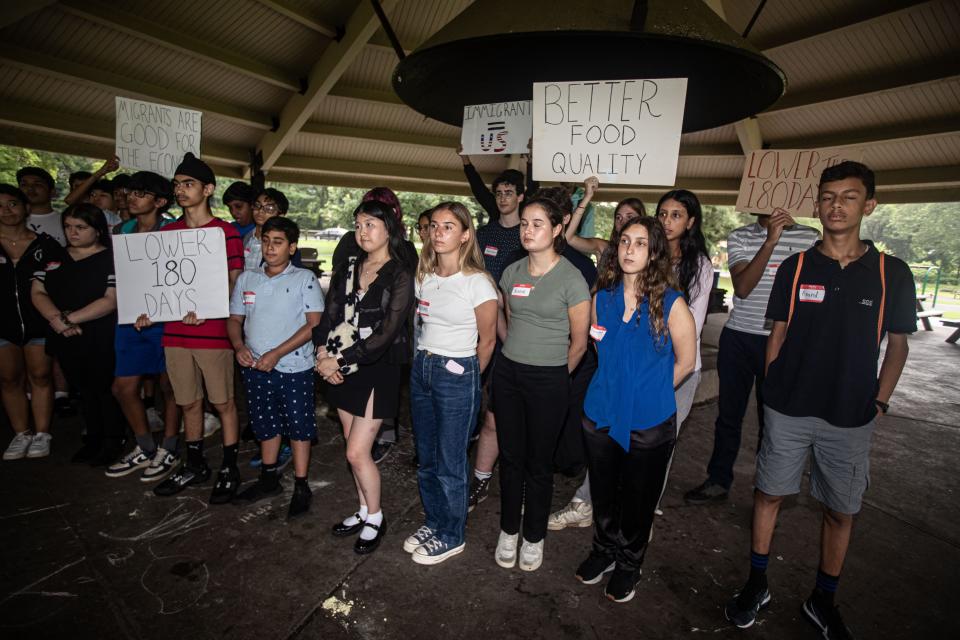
(13, 241)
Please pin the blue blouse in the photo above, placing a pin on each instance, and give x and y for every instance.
(632, 389)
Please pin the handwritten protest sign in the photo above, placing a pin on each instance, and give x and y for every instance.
(155, 137)
(787, 178)
(622, 131)
(167, 274)
(498, 127)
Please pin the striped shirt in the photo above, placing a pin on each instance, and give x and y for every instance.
(749, 314)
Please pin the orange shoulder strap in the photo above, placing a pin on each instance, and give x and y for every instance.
(883, 299)
(793, 291)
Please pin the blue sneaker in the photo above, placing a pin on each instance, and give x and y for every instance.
(286, 454)
(745, 617)
(256, 460)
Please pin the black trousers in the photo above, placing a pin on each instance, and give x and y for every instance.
(570, 457)
(625, 487)
(531, 403)
(92, 376)
(740, 365)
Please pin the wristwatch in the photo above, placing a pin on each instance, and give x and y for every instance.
(883, 406)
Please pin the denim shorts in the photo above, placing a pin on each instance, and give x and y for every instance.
(840, 459)
(30, 343)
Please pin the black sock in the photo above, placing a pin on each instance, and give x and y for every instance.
(269, 478)
(230, 455)
(195, 454)
(826, 588)
(757, 581)
(301, 481)
(147, 402)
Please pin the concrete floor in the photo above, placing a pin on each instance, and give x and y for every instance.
(84, 556)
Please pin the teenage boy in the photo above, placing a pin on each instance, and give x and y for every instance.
(37, 184)
(831, 307)
(121, 189)
(273, 310)
(268, 204)
(239, 198)
(140, 353)
(76, 178)
(198, 352)
(485, 197)
(97, 190)
(755, 253)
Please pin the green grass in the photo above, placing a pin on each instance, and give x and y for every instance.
(324, 250)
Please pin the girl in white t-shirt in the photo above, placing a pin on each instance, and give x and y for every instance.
(456, 319)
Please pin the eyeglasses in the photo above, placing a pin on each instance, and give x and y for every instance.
(140, 193)
(501, 195)
(11, 204)
(267, 208)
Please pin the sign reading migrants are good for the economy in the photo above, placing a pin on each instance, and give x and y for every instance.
(787, 179)
(498, 127)
(155, 137)
(622, 131)
(167, 274)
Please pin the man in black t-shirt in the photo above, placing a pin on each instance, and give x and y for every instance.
(831, 306)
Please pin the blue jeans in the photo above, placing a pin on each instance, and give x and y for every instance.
(444, 405)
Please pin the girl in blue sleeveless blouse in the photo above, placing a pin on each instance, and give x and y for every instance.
(646, 342)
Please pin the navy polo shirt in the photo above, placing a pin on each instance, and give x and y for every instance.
(827, 366)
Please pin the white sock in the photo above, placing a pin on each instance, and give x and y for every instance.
(375, 519)
(482, 475)
(352, 520)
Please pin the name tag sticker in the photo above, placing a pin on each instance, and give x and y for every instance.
(812, 293)
(597, 332)
(521, 290)
(772, 268)
(249, 297)
(490, 250)
(423, 307)
(3, 260)
(365, 332)
(454, 367)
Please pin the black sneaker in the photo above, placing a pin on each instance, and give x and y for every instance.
(380, 450)
(707, 493)
(622, 584)
(228, 481)
(63, 407)
(592, 569)
(827, 619)
(182, 478)
(744, 615)
(300, 502)
(257, 491)
(478, 492)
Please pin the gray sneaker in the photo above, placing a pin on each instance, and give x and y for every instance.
(160, 467)
(133, 461)
(707, 493)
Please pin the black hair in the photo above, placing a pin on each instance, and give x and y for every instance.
(92, 215)
(426, 213)
(283, 205)
(850, 169)
(239, 191)
(39, 172)
(558, 195)
(284, 225)
(78, 175)
(14, 192)
(692, 243)
(103, 185)
(555, 214)
(120, 181)
(511, 177)
(395, 231)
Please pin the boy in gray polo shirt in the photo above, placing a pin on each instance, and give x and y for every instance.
(273, 310)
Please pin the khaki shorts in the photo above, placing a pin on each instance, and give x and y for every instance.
(192, 370)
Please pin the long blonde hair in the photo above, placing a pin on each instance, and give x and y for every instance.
(471, 260)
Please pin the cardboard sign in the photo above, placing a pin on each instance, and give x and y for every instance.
(155, 137)
(167, 274)
(622, 131)
(787, 179)
(498, 127)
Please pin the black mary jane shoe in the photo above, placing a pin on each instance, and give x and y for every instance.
(343, 530)
(364, 547)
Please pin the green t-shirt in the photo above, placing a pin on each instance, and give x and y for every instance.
(539, 330)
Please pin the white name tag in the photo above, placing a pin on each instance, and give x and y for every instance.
(423, 307)
(490, 250)
(597, 332)
(772, 268)
(454, 367)
(521, 290)
(365, 332)
(812, 293)
(249, 297)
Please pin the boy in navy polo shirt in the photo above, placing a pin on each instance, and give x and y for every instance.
(831, 307)
(273, 310)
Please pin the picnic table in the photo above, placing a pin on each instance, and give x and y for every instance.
(952, 339)
(308, 256)
(924, 315)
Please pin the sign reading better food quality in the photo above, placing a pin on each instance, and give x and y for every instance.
(155, 137)
(167, 274)
(622, 131)
(787, 179)
(498, 127)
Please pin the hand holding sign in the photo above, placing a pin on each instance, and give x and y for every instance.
(780, 219)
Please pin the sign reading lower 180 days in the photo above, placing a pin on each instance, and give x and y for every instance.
(622, 131)
(155, 137)
(497, 127)
(167, 274)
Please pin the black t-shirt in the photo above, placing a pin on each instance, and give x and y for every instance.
(498, 244)
(72, 285)
(827, 366)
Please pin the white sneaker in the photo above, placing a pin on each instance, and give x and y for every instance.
(160, 467)
(154, 421)
(129, 463)
(39, 446)
(506, 555)
(211, 424)
(18, 446)
(576, 514)
(531, 555)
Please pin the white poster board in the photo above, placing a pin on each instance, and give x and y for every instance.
(622, 131)
(787, 179)
(497, 128)
(155, 137)
(167, 274)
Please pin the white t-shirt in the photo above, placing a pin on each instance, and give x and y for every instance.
(252, 251)
(445, 312)
(48, 223)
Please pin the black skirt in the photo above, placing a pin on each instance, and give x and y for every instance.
(352, 395)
